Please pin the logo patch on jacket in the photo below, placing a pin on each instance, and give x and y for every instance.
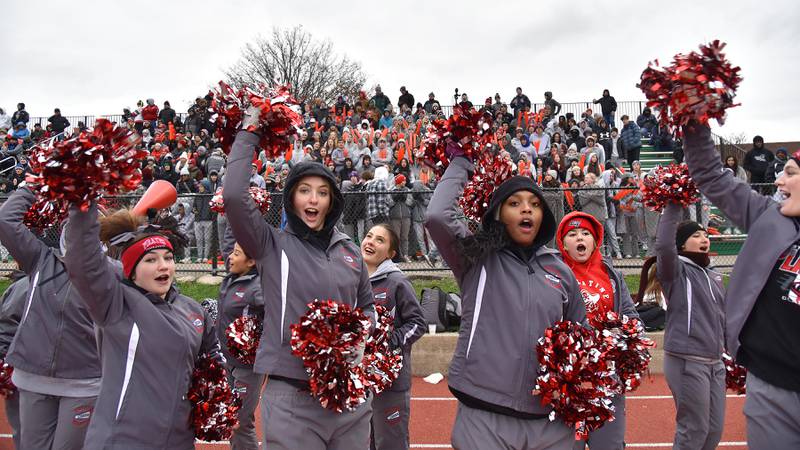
(350, 259)
(392, 415)
(240, 293)
(197, 322)
(82, 415)
(381, 296)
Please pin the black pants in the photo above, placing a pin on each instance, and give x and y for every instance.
(633, 155)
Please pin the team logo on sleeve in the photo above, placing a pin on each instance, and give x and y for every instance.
(197, 322)
(380, 295)
(350, 259)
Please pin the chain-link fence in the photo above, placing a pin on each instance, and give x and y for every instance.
(404, 210)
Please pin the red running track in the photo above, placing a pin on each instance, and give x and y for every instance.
(651, 418)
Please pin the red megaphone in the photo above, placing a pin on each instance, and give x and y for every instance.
(161, 194)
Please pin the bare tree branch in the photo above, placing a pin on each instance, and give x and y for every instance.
(293, 56)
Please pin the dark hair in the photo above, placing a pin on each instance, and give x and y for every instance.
(625, 117)
(394, 240)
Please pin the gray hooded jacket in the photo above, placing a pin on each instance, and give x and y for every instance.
(293, 271)
(695, 296)
(149, 348)
(770, 233)
(507, 304)
(56, 336)
(392, 289)
(11, 312)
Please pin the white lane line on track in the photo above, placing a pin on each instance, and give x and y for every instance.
(629, 397)
(628, 445)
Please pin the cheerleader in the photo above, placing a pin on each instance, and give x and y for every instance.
(240, 295)
(763, 308)
(604, 290)
(694, 330)
(54, 353)
(513, 288)
(391, 289)
(151, 336)
(307, 260)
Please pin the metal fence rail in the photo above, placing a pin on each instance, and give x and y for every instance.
(724, 247)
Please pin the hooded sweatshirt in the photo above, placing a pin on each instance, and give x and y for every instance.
(603, 288)
(297, 265)
(391, 288)
(509, 297)
(149, 347)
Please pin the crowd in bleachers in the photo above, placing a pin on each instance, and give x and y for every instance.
(373, 146)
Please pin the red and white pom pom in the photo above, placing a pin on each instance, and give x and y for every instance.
(215, 405)
(280, 116)
(669, 184)
(324, 339)
(467, 126)
(491, 171)
(244, 334)
(7, 387)
(699, 86)
(381, 364)
(260, 196)
(626, 345)
(44, 214)
(575, 377)
(735, 375)
(80, 169)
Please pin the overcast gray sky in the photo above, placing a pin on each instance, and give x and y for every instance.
(95, 57)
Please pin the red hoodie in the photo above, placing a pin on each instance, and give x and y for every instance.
(592, 276)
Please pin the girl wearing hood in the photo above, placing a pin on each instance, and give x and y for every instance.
(309, 259)
(579, 237)
(391, 289)
(513, 288)
(151, 336)
(762, 308)
(694, 330)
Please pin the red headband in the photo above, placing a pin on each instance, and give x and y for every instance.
(578, 222)
(133, 254)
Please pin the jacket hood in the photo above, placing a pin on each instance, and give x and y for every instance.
(309, 169)
(384, 269)
(597, 232)
(510, 186)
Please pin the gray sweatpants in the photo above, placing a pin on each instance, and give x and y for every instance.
(402, 227)
(293, 419)
(12, 413)
(248, 384)
(698, 390)
(476, 429)
(773, 416)
(52, 422)
(611, 436)
(202, 235)
(390, 412)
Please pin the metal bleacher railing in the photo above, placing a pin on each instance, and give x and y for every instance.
(725, 246)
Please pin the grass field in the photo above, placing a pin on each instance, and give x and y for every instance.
(200, 291)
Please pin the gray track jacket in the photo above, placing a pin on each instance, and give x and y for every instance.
(770, 233)
(392, 289)
(149, 348)
(240, 296)
(695, 296)
(293, 272)
(506, 306)
(56, 336)
(11, 311)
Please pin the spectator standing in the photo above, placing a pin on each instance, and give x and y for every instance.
(167, 115)
(58, 122)
(355, 205)
(421, 196)
(430, 103)
(5, 121)
(608, 106)
(380, 101)
(400, 204)
(20, 115)
(732, 163)
(627, 221)
(551, 103)
(150, 114)
(377, 196)
(256, 179)
(185, 219)
(406, 99)
(520, 103)
(203, 221)
(756, 161)
(777, 164)
(631, 137)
